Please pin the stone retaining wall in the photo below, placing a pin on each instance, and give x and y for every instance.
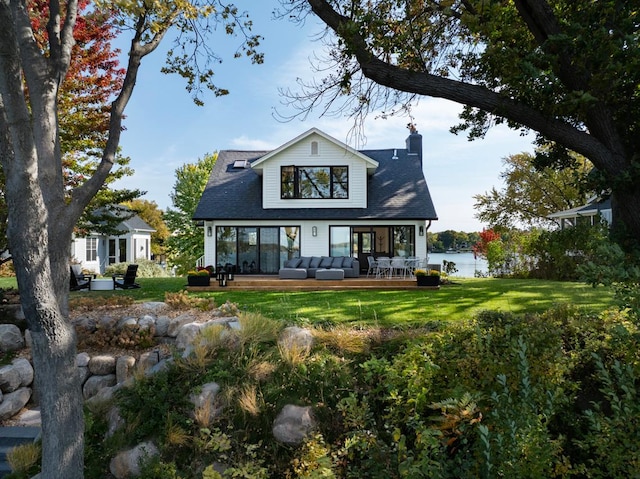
(101, 370)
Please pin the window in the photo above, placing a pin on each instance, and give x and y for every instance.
(314, 182)
(91, 249)
(314, 148)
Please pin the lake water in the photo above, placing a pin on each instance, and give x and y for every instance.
(466, 264)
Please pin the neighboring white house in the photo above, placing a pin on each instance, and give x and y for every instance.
(315, 196)
(596, 208)
(96, 251)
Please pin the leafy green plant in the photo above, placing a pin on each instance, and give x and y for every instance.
(611, 445)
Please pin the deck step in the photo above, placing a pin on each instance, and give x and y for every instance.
(11, 437)
(273, 283)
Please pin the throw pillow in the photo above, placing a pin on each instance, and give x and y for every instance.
(326, 262)
(315, 261)
(337, 262)
(305, 262)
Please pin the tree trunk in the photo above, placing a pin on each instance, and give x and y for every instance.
(42, 269)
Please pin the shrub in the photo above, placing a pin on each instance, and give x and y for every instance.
(146, 269)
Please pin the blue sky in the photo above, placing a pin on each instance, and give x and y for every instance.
(165, 129)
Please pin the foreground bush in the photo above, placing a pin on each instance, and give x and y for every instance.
(551, 395)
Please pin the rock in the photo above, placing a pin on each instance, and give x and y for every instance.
(127, 463)
(10, 338)
(15, 375)
(87, 323)
(126, 322)
(114, 421)
(104, 395)
(83, 373)
(154, 305)
(147, 322)
(9, 379)
(82, 360)
(205, 403)
(25, 370)
(124, 368)
(176, 323)
(13, 402)
(293, 424)
(162, 325)
(95, 383)
(102, 364)
(148, 360)
(187, 334)
(294, 337)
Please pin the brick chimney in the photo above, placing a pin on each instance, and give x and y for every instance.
(414, 143)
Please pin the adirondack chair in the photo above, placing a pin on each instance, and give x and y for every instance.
(126, 280)
(78, 280)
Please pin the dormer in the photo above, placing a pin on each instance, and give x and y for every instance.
(314, 170)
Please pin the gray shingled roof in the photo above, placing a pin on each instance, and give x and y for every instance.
(397, 191)
(135, 223)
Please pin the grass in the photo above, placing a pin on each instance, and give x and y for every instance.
(389, 308)
(383, 308)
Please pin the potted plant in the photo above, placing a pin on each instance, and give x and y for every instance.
(198, 278)
(427, 278)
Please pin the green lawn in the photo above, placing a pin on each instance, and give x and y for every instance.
(390, 308)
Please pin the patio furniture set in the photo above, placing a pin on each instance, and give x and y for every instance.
(79, 281)
(320, 267)
(397, 267)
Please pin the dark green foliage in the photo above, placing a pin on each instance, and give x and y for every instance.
(502, 395)
(557, 255)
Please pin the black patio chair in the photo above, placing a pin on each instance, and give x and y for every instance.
(77, 279)
(126, 280)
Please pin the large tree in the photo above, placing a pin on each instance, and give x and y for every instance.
(531, 193)
(93, 77)
(567, 69)
(186, 243)
(42, 211)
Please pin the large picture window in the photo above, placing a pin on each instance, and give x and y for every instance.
(315, 182)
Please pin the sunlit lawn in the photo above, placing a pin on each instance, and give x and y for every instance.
(390, 308)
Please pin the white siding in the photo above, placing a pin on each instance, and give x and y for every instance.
(329, 154)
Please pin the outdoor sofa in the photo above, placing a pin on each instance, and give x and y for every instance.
(306, 266)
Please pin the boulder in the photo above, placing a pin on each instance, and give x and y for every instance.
(297, 338)
(148, 360)
(162, 325)
(187, 335)
(293, 424)
(95, 383)
(15, 375)
(13, 402)
(124, 368)
(10, 338)
(176, 323)
(127, 463)
(102, 364)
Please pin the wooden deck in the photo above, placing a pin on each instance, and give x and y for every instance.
(273, 283)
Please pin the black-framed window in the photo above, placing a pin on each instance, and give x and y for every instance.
(314, 182)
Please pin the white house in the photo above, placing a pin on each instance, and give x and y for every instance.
(315, 196)
(96, 251)
(596, 208)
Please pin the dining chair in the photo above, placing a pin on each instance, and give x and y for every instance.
(412, 263)
(384, 266)
(373, 264)
(399, 266)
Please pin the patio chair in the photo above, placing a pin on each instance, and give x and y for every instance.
(373, 264)
(384, 266)
(399, 266)
(77, 279)
(126, 280)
